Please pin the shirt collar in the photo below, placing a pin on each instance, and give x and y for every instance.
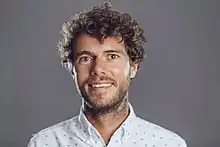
(128, 123)
(126, 126)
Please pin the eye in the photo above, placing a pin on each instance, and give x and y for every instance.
(85, 59)
(113, 56)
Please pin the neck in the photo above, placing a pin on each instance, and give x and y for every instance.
(107, 123)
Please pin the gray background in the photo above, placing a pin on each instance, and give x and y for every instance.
(177, 87)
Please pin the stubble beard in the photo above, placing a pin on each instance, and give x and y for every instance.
(117, 104)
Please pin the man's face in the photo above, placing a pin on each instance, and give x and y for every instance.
(102, 71)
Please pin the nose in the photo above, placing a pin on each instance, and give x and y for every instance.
(98, 67)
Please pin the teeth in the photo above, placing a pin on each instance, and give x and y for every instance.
(100, 85)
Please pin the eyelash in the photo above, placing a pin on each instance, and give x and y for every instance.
(83, 57)
(109, 56)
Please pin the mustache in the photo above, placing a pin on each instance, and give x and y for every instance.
(100, 78)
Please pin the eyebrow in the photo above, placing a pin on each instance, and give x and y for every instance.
(93, 54)
(115, 51)
(84, 53)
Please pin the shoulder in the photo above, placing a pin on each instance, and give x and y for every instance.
(50, 134)
(161, 134)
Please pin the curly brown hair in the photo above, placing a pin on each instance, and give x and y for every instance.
(101, 22)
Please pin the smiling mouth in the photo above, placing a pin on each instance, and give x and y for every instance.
(103, 85)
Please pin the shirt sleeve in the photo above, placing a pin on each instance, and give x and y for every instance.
(183, 143)
(36, 141)
(32, 142)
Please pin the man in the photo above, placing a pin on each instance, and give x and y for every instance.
(103, 48)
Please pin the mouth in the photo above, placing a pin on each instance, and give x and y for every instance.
(101, 85)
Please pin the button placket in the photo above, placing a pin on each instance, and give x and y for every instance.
(96, 138)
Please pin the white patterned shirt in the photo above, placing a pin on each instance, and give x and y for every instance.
(79, 132)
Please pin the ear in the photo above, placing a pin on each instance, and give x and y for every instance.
(133, 70)
(72, 73)
(72, 70)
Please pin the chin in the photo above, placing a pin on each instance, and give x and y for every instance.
(99, 104)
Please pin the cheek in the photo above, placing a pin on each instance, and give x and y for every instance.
(81, 74)
(127, 69)
(121, 70)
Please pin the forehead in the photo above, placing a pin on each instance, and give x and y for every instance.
(88, 43)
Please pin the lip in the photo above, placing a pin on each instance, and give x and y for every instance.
(100, 82)
(110, 84)
(101, 87)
